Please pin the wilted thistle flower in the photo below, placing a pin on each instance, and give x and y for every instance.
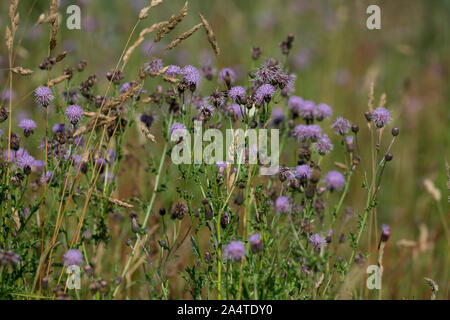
(317, 241)
(303, 172)
(237, 94)
(235, 251)
(74, 114)
(147, 119)
(277, 116)
(43, 96)
(271, 73)
(4, 113)
(307, 108)
(227, 76)
(341, 125)
(73, 257)
(154, 66)
(179, 210)
(283, 205)
(191, 75)
(386, 232)
(217, 98)
(255, 242)
(9, 258)
(28, 126)
(334, 180)
(323, 111)
(264, 93)
(206, 112)
(294, 104)
(177, 126)
(323, 145)
(173, 71)
(381, 117)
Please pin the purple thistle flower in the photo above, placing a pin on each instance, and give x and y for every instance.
(317, 241)
(386, 232)
(43, 96)
(191, 75)
(8, 95)
(28, 126)
(74, 113)
(294, 104)
(12, 155)
(323, 145)
(237, 94)
(227, 75)
(349, 143)
(290, 86)
(73, 257)
(46, 178)
(381, 117)
(24, 160)
(59, 127)
(264, 93)
(283, 205)
(235, 111)
(177, 126)
(323, 111)
(154, 66)
(314, 132)
(334, 180)
(341, 125)
(235, 251)
(173, 71)
(125, 87)
(277, 116)
(255, 242)
(303, 172)
(307, 108)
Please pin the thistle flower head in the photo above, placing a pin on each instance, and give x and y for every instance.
(154, 66)
(227, 75)
(277, 116)
(43, 96)
(191, 75)
(381, 117)
(304, 132)
(173, 71)
(386, 232)
(59, 127)
(283, 204)
(25, 160)
(294, 104)
(237, 94)
(317, 241)
(334, 180)
(45, 178)
(177, 126)
(74, 114)
(255, 242)
(323, 145)
(307, 108)
(235, 110)
(303, 171)
(73, 257)
(341, 125)
(125, 87)
(323, 111)
(28, 126)
(264, 93)
(235, 251)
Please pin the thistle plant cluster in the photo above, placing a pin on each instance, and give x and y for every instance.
(286, 236)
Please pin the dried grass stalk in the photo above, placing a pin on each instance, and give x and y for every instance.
(57, 80)
(61, 56)
(22, 71)
(144, 12)
(142, 38)
(146, 132)
(183, 37)
(8, 38)
(120, 203)
(173, 21)
(210, 34)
